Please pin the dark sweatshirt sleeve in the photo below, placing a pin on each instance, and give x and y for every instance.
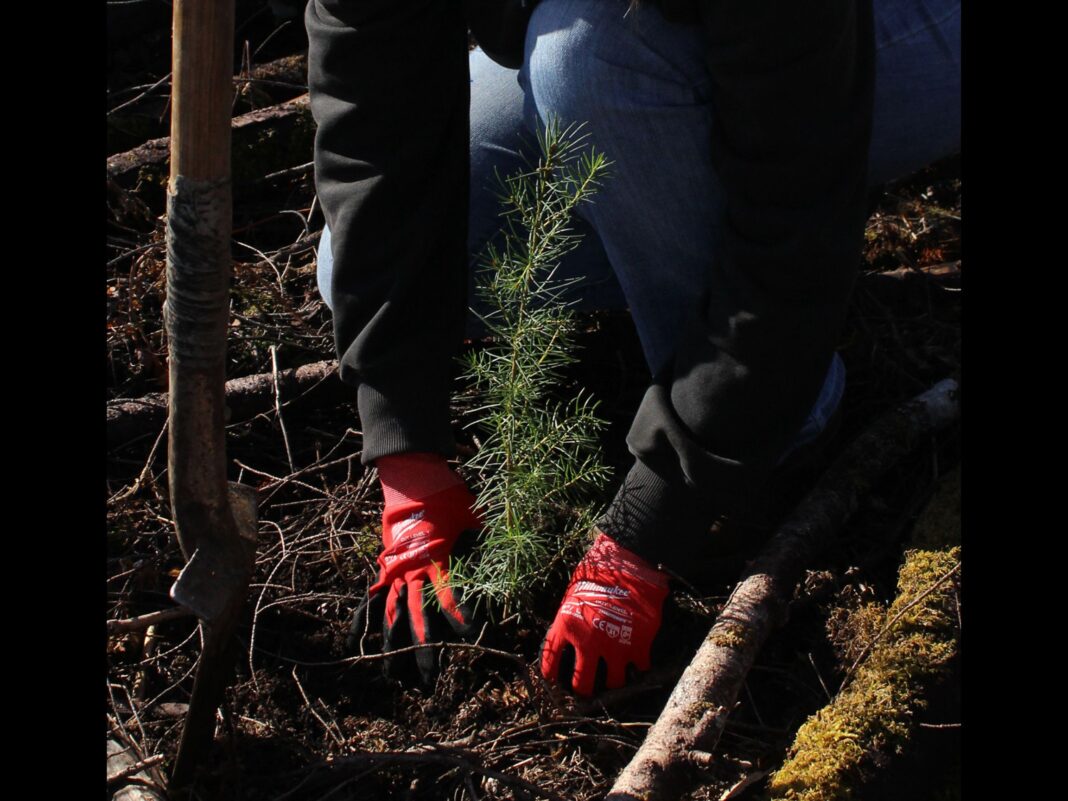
(792, 105)
(390, 96)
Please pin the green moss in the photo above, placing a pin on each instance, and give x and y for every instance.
(836, 748)
(852, 630)
(728, 635)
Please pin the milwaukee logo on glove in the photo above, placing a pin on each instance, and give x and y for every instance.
(610, 613)
(591, 590)
(406, 525)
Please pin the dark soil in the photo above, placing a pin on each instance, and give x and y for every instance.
(304, 719)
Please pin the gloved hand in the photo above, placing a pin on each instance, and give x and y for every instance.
(610, 613)
(427, 510)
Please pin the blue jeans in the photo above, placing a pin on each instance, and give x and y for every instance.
(640, 85)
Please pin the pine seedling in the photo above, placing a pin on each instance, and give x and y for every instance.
(539, 458)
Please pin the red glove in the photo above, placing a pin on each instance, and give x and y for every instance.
(610, 612)
(427, 509)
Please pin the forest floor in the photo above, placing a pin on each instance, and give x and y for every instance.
(304, 718)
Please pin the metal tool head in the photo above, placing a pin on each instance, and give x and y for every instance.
(217, 574)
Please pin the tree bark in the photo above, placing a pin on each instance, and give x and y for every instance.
(696, 712)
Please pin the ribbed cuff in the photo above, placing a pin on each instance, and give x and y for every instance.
(403, 420)
(660, 520)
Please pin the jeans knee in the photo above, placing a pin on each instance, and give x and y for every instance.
(604, 63)
(563, 76)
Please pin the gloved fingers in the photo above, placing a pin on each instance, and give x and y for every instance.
(557, 659)
(585, 675)
(550, 657)
(417, 611)
(459, 614)
(394, 609)
(641, 660)
(396, 633)
(616, 674)
(421, 618)
(461, 611)
(371, 608)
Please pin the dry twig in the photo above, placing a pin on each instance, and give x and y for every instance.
(144, 621)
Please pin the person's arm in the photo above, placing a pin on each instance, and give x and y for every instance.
(792, 105)
(390, 95)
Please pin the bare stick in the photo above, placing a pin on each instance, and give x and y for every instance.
(148, 650)
(146, 471)
(136, 767)
(278, 406)
(151, 88)
(740, 786)
(330, 730)
(138, 776)
(947, 269)
(144, 621)
(696, 712)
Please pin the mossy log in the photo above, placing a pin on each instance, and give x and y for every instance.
(693, 719)
(901, 652)
(317, 383)
(872, 717)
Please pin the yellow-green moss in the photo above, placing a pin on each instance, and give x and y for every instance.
(871, 717)
(852, 630)
(728, 635)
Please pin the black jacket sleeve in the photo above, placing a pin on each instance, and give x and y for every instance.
(390, 94)
(792, 98)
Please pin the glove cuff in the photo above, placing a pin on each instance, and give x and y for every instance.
(407, 477)
(606, 551)
(661, 522)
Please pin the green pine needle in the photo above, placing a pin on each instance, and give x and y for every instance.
(539, 458)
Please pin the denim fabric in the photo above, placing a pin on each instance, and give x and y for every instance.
(640, 86)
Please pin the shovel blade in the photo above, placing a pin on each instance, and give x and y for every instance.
(209, 583)
(217, 574)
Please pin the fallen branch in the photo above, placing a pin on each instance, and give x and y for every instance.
(278, 80)
(696, 712)
(903, 282)
(144, 621)
(264, 141)
(138, 778)
(944, 270)
(129, 771)
(129, 418)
